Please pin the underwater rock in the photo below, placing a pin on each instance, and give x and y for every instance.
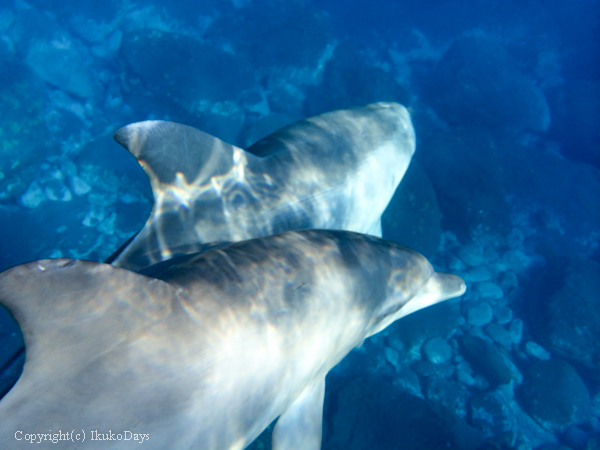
(489, 291)
(265, 126)
(392, 356)
(61, 61)
(478, 313)
(576, 438)
(425, 368)
(499, 334)
(79, 186)
(436, 351)
(477, 274)
(516, 331)
(209, 76)
(516, 260)
(92, 29)
(348, 81)
(515, 239)
(255, 101)
(101, 10)
(573, 316)
(536, 351)
(448, 396)
(33, 196)
(282, 33)
(408, 381)
(24, 132)
(562, 196)
(477, 83)
(577, 125)
(94, 216)
(464, 168)
(531, 434)
(508, 281)
(56, 190)
(464, 374)
(490, 361)
(225, 121)
(436, 321)
(471, 255)
(491, 412)
(502, 314)
(107, 226)
(555, 395)
(412, 216)
(370, 413)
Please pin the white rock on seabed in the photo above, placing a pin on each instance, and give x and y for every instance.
(94, 216)
(408, 381)
(56, 190)
(503, 314)
(516, 330)
(479, 313)
(516, 260)
(33, 196)
(436, 351)
(455, 264)
(107, 226)
(499, 334)
(471, 255)
(392, 356)
(68, 168)
(508, 280)
(61, 63)
(515, 239)
(477, 274)
(536, 351)
(489, 291)
(79, 186)
(464, 373)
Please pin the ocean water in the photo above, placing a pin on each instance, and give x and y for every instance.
(503, 190)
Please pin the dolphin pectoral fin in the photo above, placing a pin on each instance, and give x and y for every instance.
(301, 426)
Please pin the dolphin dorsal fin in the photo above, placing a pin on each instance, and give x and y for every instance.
(165, 149)
(185, 166)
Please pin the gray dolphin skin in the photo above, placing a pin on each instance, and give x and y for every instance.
(337, 170)
(209, 352)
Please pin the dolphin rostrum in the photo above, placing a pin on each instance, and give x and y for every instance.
(337, 170)
(209, 352)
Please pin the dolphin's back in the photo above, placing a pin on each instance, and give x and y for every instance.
(333, 171)
(211, 350)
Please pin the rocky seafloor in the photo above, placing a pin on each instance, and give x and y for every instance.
(504, 189)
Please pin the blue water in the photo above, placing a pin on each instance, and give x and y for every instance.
(504, 188)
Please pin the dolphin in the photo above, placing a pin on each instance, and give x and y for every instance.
(337, 170)
(209, 351)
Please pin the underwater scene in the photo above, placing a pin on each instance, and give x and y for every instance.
(441, 159)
